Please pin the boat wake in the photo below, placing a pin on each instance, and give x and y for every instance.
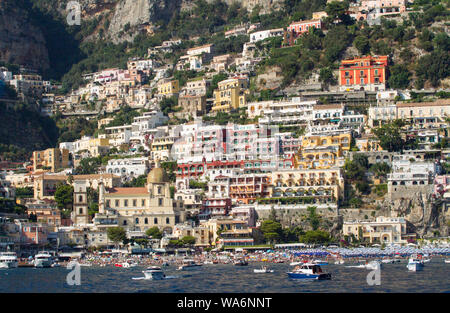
(143, 278)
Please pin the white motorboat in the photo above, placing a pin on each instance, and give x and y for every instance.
(319, 262)
(187, 264)
(8, 260)
(373, 265)
(447, 261)
(390, 261)
(43, 259)
(129, 263)
(296, 263)
(154, 273)
(309, 271)
(339, 261)
(415, 264)
(263, 269)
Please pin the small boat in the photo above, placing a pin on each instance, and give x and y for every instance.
(296, 263)
(208, 262)
(8, 260)
(415, 264)
(56, 265)
(309, 271)
(263, 269)
(43, 259)
(154, 273)
(390, 261)
(373, 265)
(240, 262)
(187, 264)
(279, 261)
(339, 261)
(319, 262)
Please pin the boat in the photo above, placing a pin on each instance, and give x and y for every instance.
(319, 262)
(309, 271)
(128, 264)
(339, 261)
(154, 273)
(208, 262)
(8, 260)
(263, 269)
(43, 259)
(240, 262)
(447, 261)
(56, 265)
(415, 264)
(390, 261)
(373, 265)
(296, 263)
(187, 264)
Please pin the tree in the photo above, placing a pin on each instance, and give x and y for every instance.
(399, 77)
(315, 237)
(116, 235)
(362, 44)
(313, 218)
(390, 137)
(380, 169)
(354, 171)
(64, 196)
(154, 232)
(188, 240)
(271, 230)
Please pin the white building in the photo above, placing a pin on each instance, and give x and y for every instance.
(264, 34)
(133, 168)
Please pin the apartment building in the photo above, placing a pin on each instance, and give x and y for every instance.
(231, 94)
(367, 73)
(52, 159)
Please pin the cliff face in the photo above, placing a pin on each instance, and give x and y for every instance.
(426, 214)
(20, 41)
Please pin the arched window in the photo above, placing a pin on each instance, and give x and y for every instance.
(125, 222)
(137, 220)
(155, 221)
(146, 221)
(81, 210)
(80, 199)
(167, 220)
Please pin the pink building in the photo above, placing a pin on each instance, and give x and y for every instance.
(442, 186)
(301, 27)
(385, 5)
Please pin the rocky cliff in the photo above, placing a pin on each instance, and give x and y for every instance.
(21, 42)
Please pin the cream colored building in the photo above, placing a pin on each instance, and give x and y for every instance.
(388, 230)
(324, 185)
(229, 232)
(138, 209)
(200, 233)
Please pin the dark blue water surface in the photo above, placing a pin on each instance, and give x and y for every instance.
(228, 279)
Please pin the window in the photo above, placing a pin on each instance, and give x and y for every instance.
(160, 201)
(159, 190)
(137, 220)
(155, 220)
(143, 202)
(117, 203)
(146, 221)
(81, 211)
(125, 203)
(167, 220)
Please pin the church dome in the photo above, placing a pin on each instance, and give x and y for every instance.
(157, 176)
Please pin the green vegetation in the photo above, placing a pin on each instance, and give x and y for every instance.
(154, 232)
(26, 192)
(316, 237)
(116, 234)
(390, 137)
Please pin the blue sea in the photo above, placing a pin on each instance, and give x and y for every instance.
(228, 278)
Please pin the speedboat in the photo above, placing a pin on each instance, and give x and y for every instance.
(309, 271)
(187, 264)
(319, 262)
(373, 265)
(263, 269)
(240, 262)
(415, 264)
(43, 259)
(8, 260)
(154, 273)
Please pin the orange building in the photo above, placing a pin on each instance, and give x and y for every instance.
(367, 73)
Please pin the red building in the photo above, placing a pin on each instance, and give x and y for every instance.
(298, 28)
(366, 73)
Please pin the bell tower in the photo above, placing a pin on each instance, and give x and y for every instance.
(80, 215)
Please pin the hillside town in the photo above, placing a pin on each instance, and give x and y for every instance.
(203, 152)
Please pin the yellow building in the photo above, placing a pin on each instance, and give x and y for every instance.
(95, 146)
(52, 159)
(231, 94)
(324, 185)
(321, 152)
(200, 233)
(168, 88)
